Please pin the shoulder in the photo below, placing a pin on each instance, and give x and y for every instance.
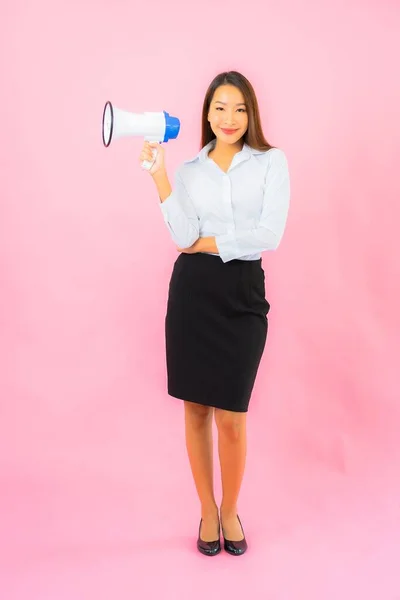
(273, 156)
(190, 166)
(273, 162)
(186, 169)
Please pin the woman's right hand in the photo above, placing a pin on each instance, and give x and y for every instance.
(146, 154)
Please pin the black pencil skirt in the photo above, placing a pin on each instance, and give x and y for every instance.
(216, 328)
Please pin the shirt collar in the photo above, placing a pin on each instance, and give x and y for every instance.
(202, 156)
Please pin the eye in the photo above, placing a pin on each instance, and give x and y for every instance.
(242, 110)
(219, 108)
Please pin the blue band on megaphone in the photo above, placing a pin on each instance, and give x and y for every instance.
(172, 127)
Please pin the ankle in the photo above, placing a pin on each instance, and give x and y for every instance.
(209, 511)
(228, 512)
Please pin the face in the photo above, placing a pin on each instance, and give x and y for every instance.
(227, 114)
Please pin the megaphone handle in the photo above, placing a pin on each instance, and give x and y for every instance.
(147, 164)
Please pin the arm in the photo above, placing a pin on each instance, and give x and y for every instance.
(205, 244)
(268, 234)
(178, 210)
(163, 185)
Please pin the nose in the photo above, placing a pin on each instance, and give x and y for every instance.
(230, 119)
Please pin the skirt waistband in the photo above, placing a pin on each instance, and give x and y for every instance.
(203, 256)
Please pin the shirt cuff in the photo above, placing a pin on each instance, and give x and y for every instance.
(227, 246)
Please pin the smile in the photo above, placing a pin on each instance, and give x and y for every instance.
(229, 131)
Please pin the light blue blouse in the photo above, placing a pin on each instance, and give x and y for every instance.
(245, 209)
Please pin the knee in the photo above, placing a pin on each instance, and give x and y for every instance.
(197, 414)
(230, 424)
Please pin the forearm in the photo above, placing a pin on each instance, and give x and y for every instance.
(163, 185)
(178, 211)
(244, 243)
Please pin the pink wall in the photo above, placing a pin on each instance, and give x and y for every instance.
(91, 448)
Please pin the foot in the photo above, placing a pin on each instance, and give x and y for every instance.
(209, 542)
(234, 539)
(231, 527)
(209, 530)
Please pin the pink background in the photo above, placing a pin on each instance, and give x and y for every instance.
(95, 492)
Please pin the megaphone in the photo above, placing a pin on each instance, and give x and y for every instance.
(152, 126)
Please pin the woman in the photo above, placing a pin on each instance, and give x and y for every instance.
(229, 204)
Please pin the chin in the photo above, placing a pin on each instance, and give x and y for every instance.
(229, 139)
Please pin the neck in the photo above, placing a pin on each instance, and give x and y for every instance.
(228, 150)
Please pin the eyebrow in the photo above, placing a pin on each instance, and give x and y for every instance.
(239, 103)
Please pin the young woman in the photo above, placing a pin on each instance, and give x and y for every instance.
(228, 205)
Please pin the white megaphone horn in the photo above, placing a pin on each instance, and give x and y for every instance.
(152, 126)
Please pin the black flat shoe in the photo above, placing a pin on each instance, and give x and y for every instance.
(235, 548)
(208, 548)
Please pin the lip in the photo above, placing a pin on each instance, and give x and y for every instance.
(229, 131)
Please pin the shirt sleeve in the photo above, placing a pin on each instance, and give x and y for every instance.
(269, 231)
(180, 215)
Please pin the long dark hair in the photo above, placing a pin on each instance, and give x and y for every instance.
(254, 136)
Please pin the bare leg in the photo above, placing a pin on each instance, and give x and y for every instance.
(232, 448)
(199, 445)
